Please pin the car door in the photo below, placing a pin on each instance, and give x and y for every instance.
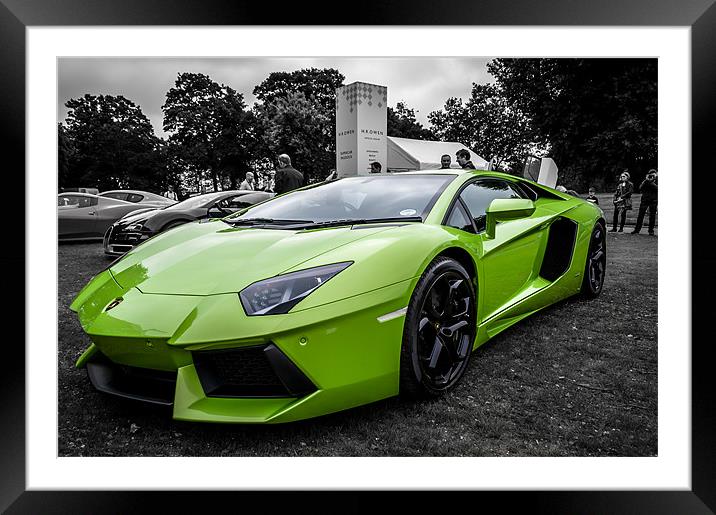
(76, 218)
(508, 260)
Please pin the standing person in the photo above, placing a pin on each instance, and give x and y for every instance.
(170, 193)
(375, 167)
(248, 183)
(463, 159)
(649, 196)
(287, 178)
(445, 162)
(622, 201)
(592, 197)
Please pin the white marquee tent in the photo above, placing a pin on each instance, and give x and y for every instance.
(414, 154)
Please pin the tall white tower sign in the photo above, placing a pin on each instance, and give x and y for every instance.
(361, 128)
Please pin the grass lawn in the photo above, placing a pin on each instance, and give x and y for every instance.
(577, 379)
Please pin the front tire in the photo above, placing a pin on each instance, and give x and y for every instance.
(439, 331)
(596, 265)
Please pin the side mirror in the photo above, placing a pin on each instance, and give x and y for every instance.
(503, 209)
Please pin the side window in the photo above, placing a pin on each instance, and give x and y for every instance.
(233, 203)
(117, 196)
(135, 197)
(459, 220)
(527, 191)
(478, 195)
(88, 201)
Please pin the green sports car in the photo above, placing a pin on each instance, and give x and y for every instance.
(335, 295)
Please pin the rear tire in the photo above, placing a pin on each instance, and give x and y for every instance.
(439, 331)
(596, 266)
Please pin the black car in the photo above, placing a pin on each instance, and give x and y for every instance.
(134, 229)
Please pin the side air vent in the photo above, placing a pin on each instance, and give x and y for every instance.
(560, 248)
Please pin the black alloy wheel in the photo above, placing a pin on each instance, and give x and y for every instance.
(596, 265)
(440, 328)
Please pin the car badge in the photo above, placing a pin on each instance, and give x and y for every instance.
(113, 304)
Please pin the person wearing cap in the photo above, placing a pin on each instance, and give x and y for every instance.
(287, 178)
(649, 196)
(622, 201)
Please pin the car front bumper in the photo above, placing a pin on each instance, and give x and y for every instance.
(326, 358)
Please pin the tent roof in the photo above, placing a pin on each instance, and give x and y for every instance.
(416, 154)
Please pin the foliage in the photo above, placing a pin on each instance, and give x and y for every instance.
(105, 143)
(403, 124)
(209, 126)
(292, 125)
(599, 116)
(318, 86)
(488, 124)
(65, 151)
(296, 115)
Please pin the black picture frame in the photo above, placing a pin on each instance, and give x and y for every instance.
(700, 15)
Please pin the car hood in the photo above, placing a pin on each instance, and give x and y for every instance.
(213, 258)
(141, 213)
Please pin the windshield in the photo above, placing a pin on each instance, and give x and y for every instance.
(385, 196)
(198, 201)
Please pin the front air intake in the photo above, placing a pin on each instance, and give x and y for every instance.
(257, 371)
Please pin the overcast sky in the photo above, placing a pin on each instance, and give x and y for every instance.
(422, 83)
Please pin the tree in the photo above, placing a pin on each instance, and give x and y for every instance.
(209, 126)
(597, 115)
(403, 124)
(488, 124)
(305, 131)
(106, 141)
(292, 125)
(317, 86)
(65, 151)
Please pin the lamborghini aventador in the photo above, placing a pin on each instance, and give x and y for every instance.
(335, 295)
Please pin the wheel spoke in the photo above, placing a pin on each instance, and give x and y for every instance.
(435, 353)
(463, 347)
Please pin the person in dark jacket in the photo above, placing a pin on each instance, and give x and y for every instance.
(649, 196)
(622, 201)
(592, 197)
(287, 178)
(463, 159)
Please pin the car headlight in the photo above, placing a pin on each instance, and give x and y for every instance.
(135, 227)
(277, 295)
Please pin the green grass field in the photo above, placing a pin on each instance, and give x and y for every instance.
(577, 379)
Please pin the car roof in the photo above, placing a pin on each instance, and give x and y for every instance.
(80, 193)
(138, 192)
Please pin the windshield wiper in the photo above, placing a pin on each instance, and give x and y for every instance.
(264, 221)
(363, 221)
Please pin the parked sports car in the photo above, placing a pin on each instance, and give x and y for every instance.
(134, 229)
(335, 295)
(83, 216)
(145, 198)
